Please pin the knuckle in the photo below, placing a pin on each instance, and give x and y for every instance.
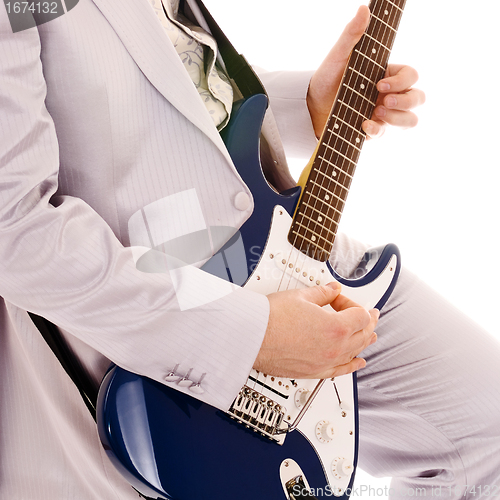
(332, 354)
(325, 291)
(343, 330)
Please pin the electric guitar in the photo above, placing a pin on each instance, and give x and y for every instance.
(281, 438)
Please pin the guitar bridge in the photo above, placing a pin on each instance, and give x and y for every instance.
(259, 413)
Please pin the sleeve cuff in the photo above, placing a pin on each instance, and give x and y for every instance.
(287, 93)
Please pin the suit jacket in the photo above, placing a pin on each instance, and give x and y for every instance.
(99, 120)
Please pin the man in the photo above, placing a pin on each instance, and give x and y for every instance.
(100, 120)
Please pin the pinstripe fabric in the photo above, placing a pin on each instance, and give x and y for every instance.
(428, 397)
(99, 116)
(430, 407)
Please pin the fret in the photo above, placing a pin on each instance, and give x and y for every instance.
(325, 192)
(326, 161)
(329, 162)
(394, 5)
(361, 74)
(348, 124)
(329, 176)
(322, 214)
(308, 240)
(324, 201)
(344, 140)
(315, 234)
(377, 41)
(354, 110)
(383, 22)
(360, 95)
(314, 241)
(336, 183)
(340, 154)
(387, 12)
(369, 58)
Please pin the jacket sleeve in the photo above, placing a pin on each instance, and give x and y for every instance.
(61, 260)
(287, 91)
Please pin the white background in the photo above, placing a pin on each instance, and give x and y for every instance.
(433, 190)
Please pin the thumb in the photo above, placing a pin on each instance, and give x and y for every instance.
(322, 295)
(350, 36)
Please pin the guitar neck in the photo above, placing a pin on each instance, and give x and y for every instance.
(317, 217)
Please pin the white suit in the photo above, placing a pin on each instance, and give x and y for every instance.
(99, 117)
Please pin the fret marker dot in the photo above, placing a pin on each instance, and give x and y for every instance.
(386, 12)
(334, 173)
(358, 140)
(362, 86)
(320, 219)
(327, 197)
(374, 51)
(313, 238)
(336, 126)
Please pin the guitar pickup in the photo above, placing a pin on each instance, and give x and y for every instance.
(290, 265)
(260, 413)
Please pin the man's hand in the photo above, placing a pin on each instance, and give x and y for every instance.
(305, 340)
(396, 97)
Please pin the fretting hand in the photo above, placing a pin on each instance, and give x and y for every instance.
(396, 99)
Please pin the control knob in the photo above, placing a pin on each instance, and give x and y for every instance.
(301, 397)
(324, 431)
(341, 467)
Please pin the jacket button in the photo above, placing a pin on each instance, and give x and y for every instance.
(242, 201)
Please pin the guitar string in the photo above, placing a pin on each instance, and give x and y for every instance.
(295, 265)
(314, 178)
(371, 95)
(343, 164)
(343, 168)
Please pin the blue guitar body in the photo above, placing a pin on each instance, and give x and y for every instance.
(171, 446)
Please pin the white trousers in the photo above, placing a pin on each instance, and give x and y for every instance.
(429, 399)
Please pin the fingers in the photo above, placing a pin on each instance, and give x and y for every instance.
(304, 339)
(395, 109)
(352, 33)
(350, 367)
(373, 129)
(396, 100)
(398, 78)
(395, 117)
(406, 101)
(326, 80)
(322, 295)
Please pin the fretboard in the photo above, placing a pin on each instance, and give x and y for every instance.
(318, 214)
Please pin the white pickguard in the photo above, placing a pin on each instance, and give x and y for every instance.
(328, 425)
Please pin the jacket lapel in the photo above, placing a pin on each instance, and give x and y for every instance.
(136, 24)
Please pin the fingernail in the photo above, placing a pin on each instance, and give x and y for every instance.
(334, 285)
(375, 313)
(383, 86)
(374, 339)
(368, 128)
(391, 102)
(380, 111)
